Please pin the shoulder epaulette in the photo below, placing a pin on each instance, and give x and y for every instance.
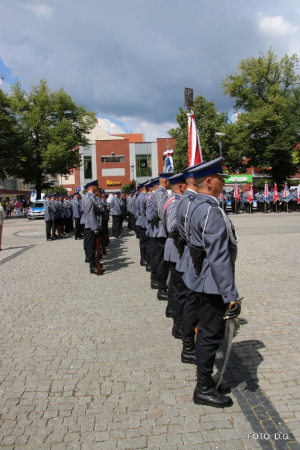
(212, 203)
(177, 197)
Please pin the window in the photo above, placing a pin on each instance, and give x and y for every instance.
(143, 166)
(112, 159)
(87, 167)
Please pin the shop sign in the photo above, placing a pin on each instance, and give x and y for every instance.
(113, 183)
(236, 178)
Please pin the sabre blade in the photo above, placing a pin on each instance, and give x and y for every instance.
(229, 345)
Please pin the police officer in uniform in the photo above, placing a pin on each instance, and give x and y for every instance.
(92, 209)
(190, 307)
(212, 244)
(49, 218)
(77, 215)
(116, 212)
(176, 295)
(141, 223)
(158, 201)
(151, 233)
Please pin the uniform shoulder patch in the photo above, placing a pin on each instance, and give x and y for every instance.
(191, 198)
(177, 197)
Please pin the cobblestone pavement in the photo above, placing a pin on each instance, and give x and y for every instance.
(89, 362)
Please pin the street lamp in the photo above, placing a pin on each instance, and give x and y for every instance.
(132, 169)
(220, 136)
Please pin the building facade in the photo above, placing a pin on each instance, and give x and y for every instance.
(116, 160)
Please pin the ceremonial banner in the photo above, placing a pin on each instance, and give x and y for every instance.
(250, 194)
(266, 193)
(194, 155)
(236, 193)
(169, 166)
(286, 193)
(276, 195)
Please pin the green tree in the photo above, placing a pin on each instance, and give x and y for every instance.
(56, 190)
(52, 128)
(269, 115)
(127, 187)
(208, 122)
(9, 138)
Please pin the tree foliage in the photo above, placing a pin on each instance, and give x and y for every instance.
(56, 190)
(9, 138)
(128, 187)
(51, 127)
(208, 122)
(267, 128)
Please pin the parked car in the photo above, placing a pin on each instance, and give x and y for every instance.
(36, 210)
(228, 205)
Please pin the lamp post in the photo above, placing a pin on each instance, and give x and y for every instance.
(219, 140)
(132, 169)
(220, 135)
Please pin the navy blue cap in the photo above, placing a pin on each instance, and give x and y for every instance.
(92, 183)
(209, 168)
(166, 175)
(53, 194)
(154, 181)
(186, 172)
(178, 178)
(47, 195)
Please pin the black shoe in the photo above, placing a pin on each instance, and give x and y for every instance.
(177, 327)
(205, 393)
(143, 262)
(78, 239)
(169, 311)
(154, 282)
(52, 239)
(162, 294)
(148, 268)
(49, 239)
(188, 354)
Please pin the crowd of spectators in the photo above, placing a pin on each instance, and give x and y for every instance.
(17, 207)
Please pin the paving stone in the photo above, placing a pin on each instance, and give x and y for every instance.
(96, 367)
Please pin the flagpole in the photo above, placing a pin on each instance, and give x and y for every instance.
(189, 103)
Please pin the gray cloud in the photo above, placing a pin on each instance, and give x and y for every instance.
(132, 59)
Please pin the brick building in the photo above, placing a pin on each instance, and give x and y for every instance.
(117, 159)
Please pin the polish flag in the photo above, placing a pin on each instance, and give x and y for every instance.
(298, 198)
(194, 155)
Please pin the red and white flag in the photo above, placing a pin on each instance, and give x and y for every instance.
(250, 194)
(194, 155)
(298, 197)
(276, 195)
(236, 193)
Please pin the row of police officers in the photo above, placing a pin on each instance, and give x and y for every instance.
(185, 235)
(89, 214)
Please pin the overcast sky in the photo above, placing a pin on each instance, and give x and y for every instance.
(129, 60)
